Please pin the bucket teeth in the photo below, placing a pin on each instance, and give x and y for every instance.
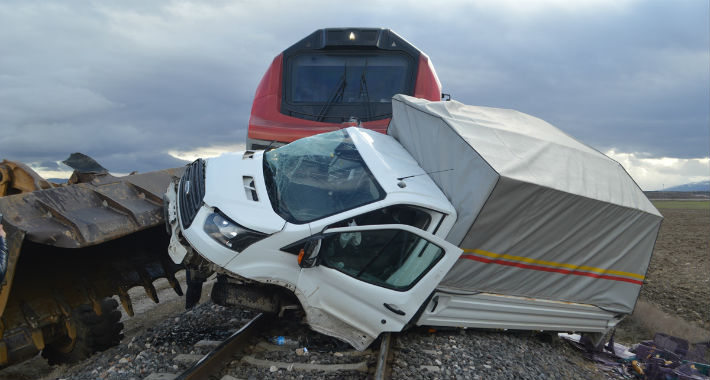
(125, 300)
(151, 292)
(71, 328)
(170, 275)
(148, 285)
(37, 338)
(64, 307)
(175, 284)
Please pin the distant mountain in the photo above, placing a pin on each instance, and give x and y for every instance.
(695, 186)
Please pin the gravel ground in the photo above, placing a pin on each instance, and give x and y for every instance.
(321, 349)
(156, 349)
(417, 354)
(433, 354)
(476, 354)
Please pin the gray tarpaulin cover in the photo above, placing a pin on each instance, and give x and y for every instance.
(539, 213)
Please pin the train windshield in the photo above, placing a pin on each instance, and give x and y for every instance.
(334, 87)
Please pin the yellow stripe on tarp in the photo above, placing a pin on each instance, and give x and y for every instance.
(551, 263)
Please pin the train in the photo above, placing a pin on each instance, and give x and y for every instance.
(336, 78)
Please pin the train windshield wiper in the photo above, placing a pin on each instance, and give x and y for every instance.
(336, 96)
(363, 90)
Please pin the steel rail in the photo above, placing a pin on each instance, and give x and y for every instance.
(381, 369)
(222, 354)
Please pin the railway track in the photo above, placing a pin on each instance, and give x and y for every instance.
(173, 345)
(248, 354)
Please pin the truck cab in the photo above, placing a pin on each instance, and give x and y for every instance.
(349, 208)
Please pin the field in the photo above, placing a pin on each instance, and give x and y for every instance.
(681, 205)
(676, 296)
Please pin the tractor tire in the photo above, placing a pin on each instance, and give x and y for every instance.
(93, 333)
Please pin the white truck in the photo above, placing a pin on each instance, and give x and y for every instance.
(460, 216)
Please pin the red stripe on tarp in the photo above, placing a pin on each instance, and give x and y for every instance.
(546, 269)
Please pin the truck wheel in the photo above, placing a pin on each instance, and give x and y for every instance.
(93, 333)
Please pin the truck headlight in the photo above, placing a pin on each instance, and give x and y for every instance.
(229, 233)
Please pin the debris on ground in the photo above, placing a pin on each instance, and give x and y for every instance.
(663, 358)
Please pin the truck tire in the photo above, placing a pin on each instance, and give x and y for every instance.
(93, 333)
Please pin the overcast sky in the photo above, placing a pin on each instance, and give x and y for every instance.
(137, 84)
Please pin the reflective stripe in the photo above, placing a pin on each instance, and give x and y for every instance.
(574, 269)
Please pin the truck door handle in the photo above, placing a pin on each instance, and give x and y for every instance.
(393, 309)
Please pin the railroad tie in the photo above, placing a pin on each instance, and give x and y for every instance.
(360, 366)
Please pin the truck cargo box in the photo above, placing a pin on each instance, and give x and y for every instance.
(540, 214)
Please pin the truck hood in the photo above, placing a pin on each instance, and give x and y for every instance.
(234, 183)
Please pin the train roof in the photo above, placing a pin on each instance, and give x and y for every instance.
(374, 38)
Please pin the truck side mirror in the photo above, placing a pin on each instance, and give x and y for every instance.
(309, 253)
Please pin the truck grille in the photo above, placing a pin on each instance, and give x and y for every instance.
(191, 191)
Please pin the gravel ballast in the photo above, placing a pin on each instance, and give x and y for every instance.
(159, 347)
(477, 354)
(417, 354)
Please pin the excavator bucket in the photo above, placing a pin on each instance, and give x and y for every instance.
(74, 245)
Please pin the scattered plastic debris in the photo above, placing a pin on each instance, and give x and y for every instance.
(618, 350)
(669, 357)
(663, 358)
(285, 341)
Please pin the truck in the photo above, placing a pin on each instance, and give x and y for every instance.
(459, 216)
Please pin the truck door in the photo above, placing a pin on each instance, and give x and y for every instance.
(371, 279)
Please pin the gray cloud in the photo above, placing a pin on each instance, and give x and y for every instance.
(126, 82)
(635, 79)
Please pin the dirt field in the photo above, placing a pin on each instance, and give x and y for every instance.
(676, 296)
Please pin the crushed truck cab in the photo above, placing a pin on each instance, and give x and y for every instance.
(460, 216)
(377, 234)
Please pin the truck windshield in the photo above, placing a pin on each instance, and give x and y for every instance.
(318, 176)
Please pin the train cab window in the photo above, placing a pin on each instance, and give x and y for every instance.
(398, 214)
(334, 87)
(352, 79)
